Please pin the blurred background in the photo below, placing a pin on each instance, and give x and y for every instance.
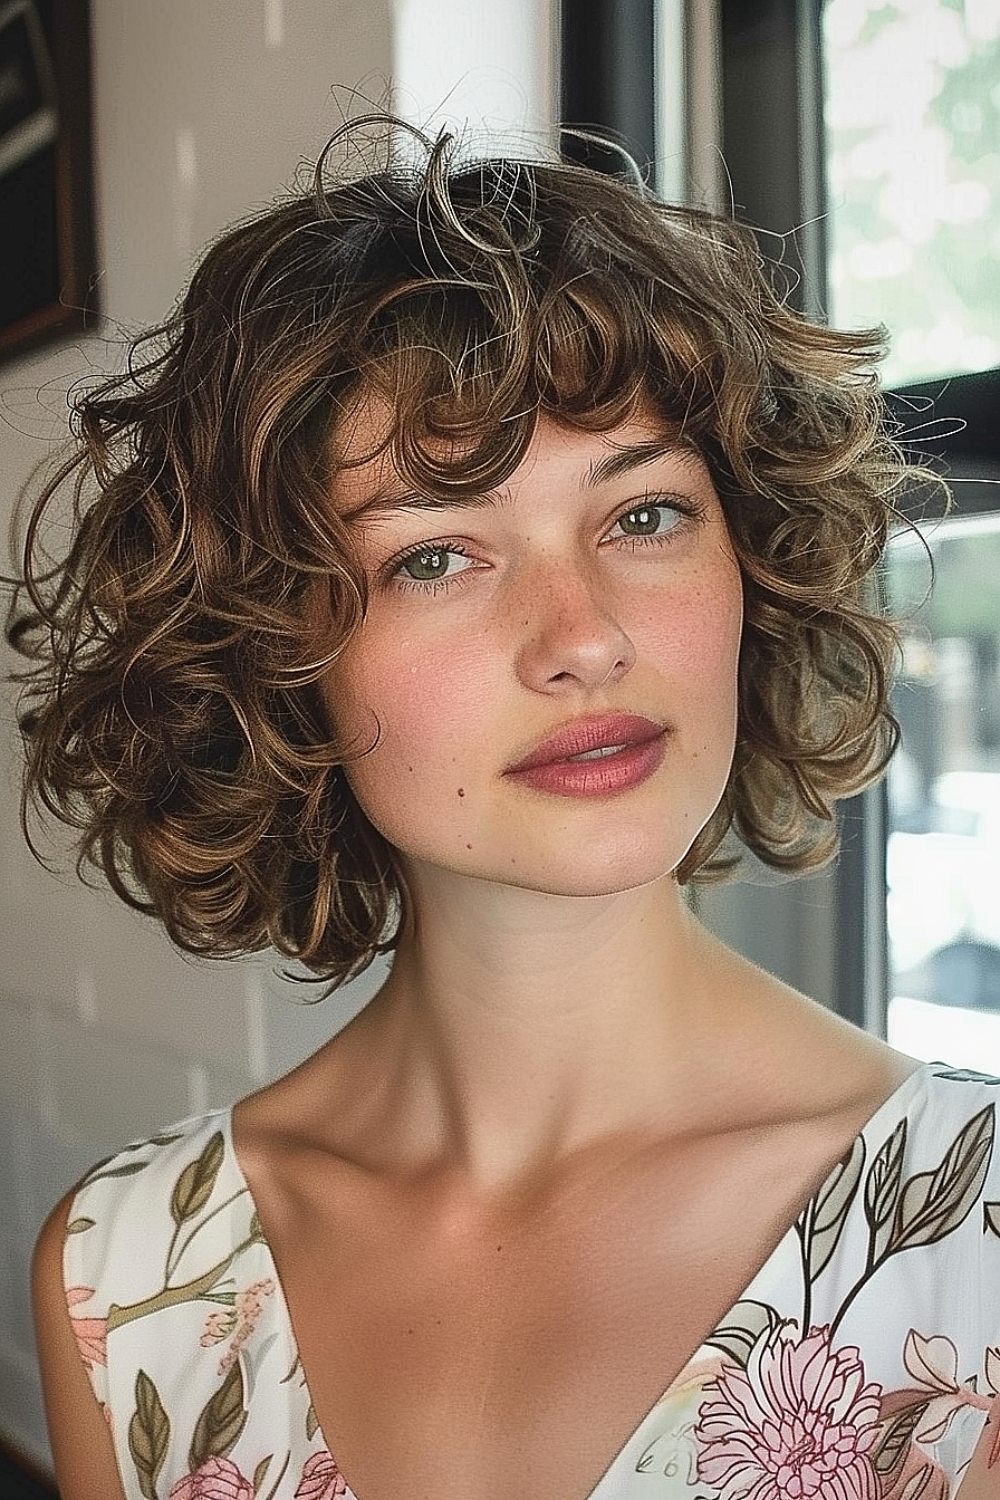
(860, 137)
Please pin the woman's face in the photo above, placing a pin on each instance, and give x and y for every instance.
(599, 579)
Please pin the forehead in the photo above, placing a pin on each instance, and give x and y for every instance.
(366, 480)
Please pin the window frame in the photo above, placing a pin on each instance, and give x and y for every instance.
(762, 63)
(771, 51)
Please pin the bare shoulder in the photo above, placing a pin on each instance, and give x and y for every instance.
(793, 1059)
(81, 1442)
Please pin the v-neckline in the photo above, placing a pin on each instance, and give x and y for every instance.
(889, 1105)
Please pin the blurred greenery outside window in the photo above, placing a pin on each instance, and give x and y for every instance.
(911, 107)
(912, 119)
(943, 851)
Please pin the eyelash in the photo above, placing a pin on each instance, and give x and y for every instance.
(685, 511)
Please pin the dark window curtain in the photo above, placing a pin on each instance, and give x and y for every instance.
(607, 78)
(772, 140)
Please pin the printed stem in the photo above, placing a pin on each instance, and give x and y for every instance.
(171, 1268)
(170, 1296)
(170, 1251)
(805, 1237)
(871, 1266)
(862, 1280)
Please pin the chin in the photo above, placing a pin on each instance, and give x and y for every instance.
(587, 870)
(580, 886)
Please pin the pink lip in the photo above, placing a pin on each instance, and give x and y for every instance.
(590, 734)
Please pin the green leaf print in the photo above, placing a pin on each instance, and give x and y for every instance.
(312, 1423)
(929, 1205)
(967, 1075)
(260, 1473)
(77, 1226)
(894, 1444)
(932, 1204)
(276, 1486)
(128, 1170)
(221, 1422)
(97, 1174)
(991, 1218)
(831, 1205)
(148, 1434)
(193, 1187)
(882, 1189)
(740, 1330)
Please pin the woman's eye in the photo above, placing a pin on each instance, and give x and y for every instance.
(429, 565)
(432, 565)
(649, 522)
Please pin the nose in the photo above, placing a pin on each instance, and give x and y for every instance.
(569, 630)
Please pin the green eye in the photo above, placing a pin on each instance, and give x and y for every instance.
(430, 565)
(647, 520)
(427, 567)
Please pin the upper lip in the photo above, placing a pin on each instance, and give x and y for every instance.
(590, 734)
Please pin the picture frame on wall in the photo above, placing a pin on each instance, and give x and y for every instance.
(47, 253)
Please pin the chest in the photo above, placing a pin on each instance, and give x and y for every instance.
(450, 1359)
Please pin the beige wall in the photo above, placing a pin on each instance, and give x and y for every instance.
(204, 109)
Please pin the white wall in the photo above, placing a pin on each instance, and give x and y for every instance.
(487, 67)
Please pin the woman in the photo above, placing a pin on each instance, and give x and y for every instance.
(478, 547)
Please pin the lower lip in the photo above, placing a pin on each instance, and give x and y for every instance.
(601, 777)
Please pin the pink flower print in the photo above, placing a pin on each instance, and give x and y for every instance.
(249, 1305)
(321, 1479)
(215, 1479)
(91, 1333)
(933, 1363)
(218, 1326)
(798, 1422)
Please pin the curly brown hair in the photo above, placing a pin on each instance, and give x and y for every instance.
(172, 713)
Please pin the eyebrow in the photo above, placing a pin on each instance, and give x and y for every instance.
(629, 456)
(626, 458)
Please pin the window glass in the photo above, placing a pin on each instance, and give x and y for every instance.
(912, 120)
(943, 855)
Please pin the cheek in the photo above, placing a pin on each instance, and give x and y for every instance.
(699, 638)
(716, 643)
(422, 700)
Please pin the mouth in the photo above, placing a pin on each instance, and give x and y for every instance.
(596, 754)
(595, 738)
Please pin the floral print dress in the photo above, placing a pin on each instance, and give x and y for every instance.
(859, 1364)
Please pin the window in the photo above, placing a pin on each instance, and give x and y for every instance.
(862, 139)
(911, 107)
(943, 847)
(912, 112)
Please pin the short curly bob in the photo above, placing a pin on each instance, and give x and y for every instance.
(172, 713)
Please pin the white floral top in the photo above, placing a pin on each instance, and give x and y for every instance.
(859, 1364)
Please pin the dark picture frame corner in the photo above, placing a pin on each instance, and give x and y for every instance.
(48, 262)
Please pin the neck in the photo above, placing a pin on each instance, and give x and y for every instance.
(518, 1027)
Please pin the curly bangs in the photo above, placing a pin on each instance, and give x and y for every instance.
(171, 711)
